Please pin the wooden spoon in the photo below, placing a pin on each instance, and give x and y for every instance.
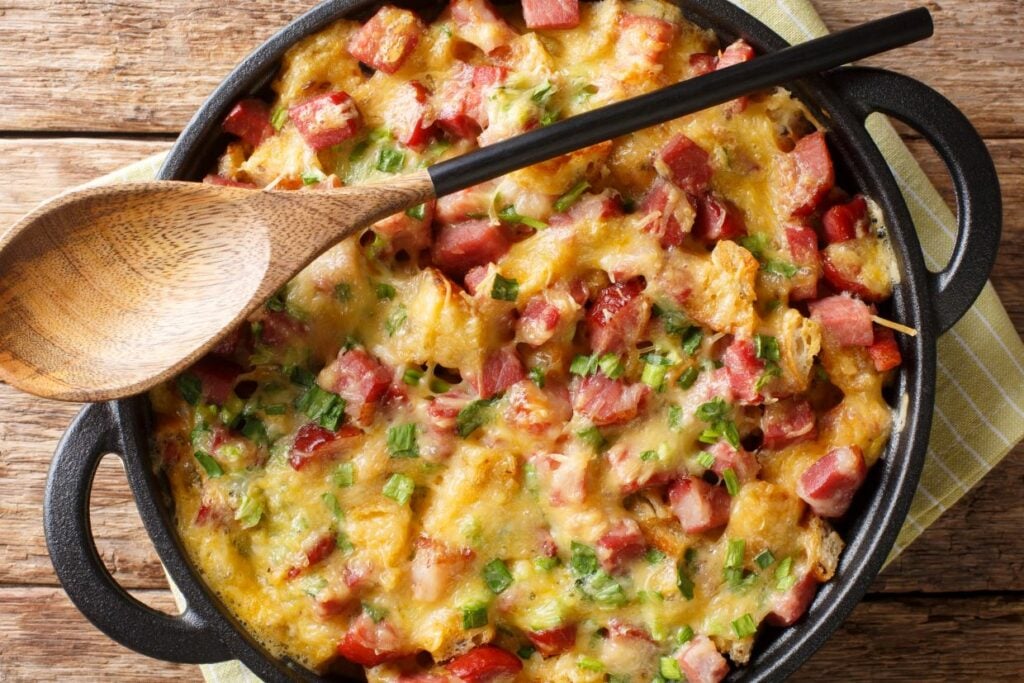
(106, 291)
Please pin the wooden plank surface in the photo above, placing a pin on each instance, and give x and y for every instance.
(146, 65)
(949, 608)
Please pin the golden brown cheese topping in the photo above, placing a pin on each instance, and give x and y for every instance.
(586, 422)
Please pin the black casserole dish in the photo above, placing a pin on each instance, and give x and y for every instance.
(931, 303)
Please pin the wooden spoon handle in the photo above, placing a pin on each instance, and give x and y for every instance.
(683, 98)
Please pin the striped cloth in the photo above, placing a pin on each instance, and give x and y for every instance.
(980, 389)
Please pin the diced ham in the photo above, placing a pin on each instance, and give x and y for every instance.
(316, 550)
(249, 120)
(686, 164)
(844, 222)
(316, 443)
(478, 22)
(544, 315)
(553, 641)
(633, 473)
(387, 39)
(217, 376)
(564, 476)
(803, 250)
(787, 422)
(617, 628)
(360, 379)
(699, 506)
(675, 213)
(702, 63)
(339, 596)
(643, 40)
(744, 369)
(701, 661)
(828, 486)
(484, 663)
(411, 118)
(607, 402)
(551, 13)
(445, 408)
(843, 265)
(279, 328)
(326, 120)
(472, 203)
(368, 643)
(618, 317)
(406, 232)
(629, 649)
(741, 461)
(717, 219)
(535, 410)
(458, 248)
(589, 207)
(502, 369)
(736, 53)
(212, 179)
(622, 542)
(434, 567)
(460, 101)
(788, 607)
(845, 319)
(475, 278)
(808, 174)
(884, 351)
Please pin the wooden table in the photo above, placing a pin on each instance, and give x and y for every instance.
(90, 85)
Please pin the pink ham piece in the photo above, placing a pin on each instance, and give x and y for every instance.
(884, 351)
(589, 207)
(460, 247)
(502, 369)
(621, 543)
(702, 63)
(828, 486)
(791, 605)
(538, 322)
(740, 461)
(717, 219)
(643, 39)
(315, 443)
(787, 422)
(701, 661)
(403, 231)
(845, 319)
(279, 328)
(736, 53)
(844, 222)
(553, 641)
(460, 101)
(618, 317)
(249, 120)
(743, 369)
(803, 251)
(471, 203)
(387, 39)
(444, 408)
(675, 213)
(316, 551)
(699, 506)
(434, 567)
(369, 643)
(411, 119)
(564, 476)
(360, 379)
(687, 164)
(535, 410)
(551, 13)
(478, 22)
(607, 402)
(485, 663)
(217, 377)
(808, 174)
(326, 120)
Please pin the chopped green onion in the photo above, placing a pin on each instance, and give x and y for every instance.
(358, 150)
(343, 543)
(784, 578)
(766, 347)
(688, 377)
(771, 370)
(276, 302)
(396, 320)
(590, 664)
(542, 93)
(402, 441)
(611, 366)
(755, 244)
(375, 613)
(734, 553)
(345, 475)
(312, 176)
(190, 387)
(782, 268)
(584, 365)
(684, 635)
(504, 289)
(418, 212)
(744, 626)
(279, 117)
(254, 430)
(473, 416)
(399, 488)
(412, 376)
(526, 651)
(537, 376)
(301, 376)
(604, 590)
(683, 581)
(731, 433)
(384, 291)
(732, 483)
(654, 376)
(545, 563)
(565, 202)
(438, 385)
(692, 340)
(324, 407)
(583, 559)
(548, 117)
(649, 455)
(497, 576)
(669, 668)
(331, 501)
(509, 215)
(675, 417)
(474, 616)
(764, 559)
(250, 512)
(706, 459)
(211, 466)
(275, 409)
(713, 410)
(390, 160)
(593, 437)
(654, 556)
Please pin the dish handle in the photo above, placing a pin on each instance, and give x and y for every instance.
(975, 183)
(182, 638)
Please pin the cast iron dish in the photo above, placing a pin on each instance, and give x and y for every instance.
(930, 302)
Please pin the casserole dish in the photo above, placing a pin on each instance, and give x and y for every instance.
(870, 531)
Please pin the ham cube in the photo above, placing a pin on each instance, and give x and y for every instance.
(563, 476)
(553, 641)
(844, 319)
(828, 486)
(701, 661)
(460, 102)
(717, 219)
(699, 506)
(744, 369)
(808, 174)
(360, 379)
(844, 222)
(434, 568)
(279, 328)
(736, 53)
(538, 322)
(249, 120)
(411, 117)
(803, 251)
(642, 40)
(462, 246)
(618, 317)
(370, 643)
(702, 63)
(478, 22)
(326, 120)
(884, 352)
(686, 164)
(551, 13)
(791, 605)
(621, 543)
(315, 443)
(501, 370)
(407, 232)
(740, 461)
(843, 265)
(387, 39)
(217, 376)
(316, 550)
(787, 422)
(608, 402)
(485, 663)
(674, 214)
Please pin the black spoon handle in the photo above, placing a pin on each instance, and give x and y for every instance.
(687, 97)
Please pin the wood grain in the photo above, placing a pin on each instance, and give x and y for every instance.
(145, 66)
